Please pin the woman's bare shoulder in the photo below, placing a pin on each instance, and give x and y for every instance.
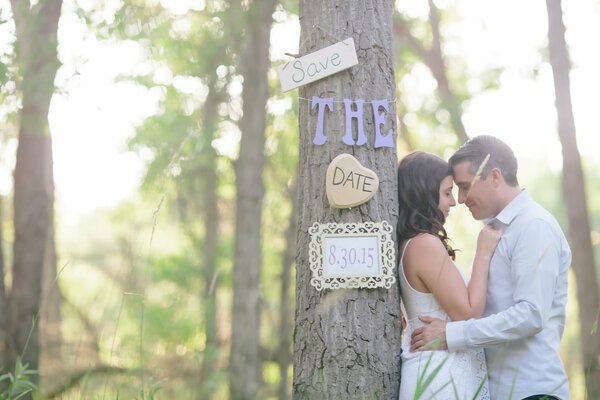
(427, 242)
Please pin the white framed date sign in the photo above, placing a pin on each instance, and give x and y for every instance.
(351, 255)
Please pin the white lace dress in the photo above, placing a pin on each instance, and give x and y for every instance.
(461, 373)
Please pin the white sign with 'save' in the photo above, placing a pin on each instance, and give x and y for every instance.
(318, 65)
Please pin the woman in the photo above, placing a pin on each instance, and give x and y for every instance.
(432, 285)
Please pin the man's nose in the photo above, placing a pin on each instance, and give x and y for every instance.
(462, 197)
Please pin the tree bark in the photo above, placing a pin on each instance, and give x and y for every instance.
(575, 198)
(34, 185)
(346, 342)
(245, 365)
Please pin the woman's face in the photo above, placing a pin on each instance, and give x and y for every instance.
(446, 197)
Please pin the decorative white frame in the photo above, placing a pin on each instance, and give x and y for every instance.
(386, 255)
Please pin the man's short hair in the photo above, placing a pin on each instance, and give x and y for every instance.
(476, 150)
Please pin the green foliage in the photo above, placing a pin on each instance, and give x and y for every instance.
(426, 377)
(20, 383)
(153, 388)
(137, 273)
(290, 6)
(429, 120)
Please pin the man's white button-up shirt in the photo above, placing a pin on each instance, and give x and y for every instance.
(524, 316)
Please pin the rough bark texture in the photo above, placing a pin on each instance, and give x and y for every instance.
(245, 365)
(346, 342)
(33, 197)
(575, 198)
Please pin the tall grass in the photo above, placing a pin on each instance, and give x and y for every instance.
(18, 383)
(426, 378)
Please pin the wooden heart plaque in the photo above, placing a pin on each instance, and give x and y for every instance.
(348, 183)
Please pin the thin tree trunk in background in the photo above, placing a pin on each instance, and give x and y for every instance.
(245, 364)
(434, 59)
(437, 65)
(5, 339)
(211, 240)
(285, 314)
(36, 29)
(32, 227)
(346, 341)
(575, 198)
(50, 314)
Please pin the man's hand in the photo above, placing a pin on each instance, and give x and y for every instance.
(432, 336)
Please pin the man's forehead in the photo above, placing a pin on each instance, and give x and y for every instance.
(461, 172)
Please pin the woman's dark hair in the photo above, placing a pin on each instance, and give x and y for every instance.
(419, 177)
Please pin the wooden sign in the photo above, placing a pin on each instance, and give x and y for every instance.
(318, 65)
(352, 255)
(348, 183)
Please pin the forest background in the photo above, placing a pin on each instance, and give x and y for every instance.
(146, 118)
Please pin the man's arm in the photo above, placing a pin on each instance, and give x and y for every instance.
(534, 271)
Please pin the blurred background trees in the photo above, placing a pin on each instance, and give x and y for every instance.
(33, 260)
(186, 288)
(574, 194)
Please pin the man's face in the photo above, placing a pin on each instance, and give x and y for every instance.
(477, 194)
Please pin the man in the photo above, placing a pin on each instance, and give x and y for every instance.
(524, 317)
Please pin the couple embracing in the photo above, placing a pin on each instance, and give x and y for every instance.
(496, 337)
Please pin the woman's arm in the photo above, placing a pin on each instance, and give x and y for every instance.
(428, 268)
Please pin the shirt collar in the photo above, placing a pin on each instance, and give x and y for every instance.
(512, 209)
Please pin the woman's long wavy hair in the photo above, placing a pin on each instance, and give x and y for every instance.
(419, 177)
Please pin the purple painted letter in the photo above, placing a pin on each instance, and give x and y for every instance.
(320, 137)
(379, 119)
(358, 114)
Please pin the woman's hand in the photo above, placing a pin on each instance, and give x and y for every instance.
(488, 240)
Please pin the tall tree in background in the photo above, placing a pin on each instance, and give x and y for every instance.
(195, 55)
(209, 248)
(245, 365)
(36, 31)
(285, 331)
(575, 198)
(346, 342)
(433, 57)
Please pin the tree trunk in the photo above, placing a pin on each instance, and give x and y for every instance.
(5, 339)
(346, 342)
(285, 333)
(50, 315)
(211, 240)
(575, 198)
(245, 365)
(434, 59)
(32, 226)
(36, 29)
(437, 64)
